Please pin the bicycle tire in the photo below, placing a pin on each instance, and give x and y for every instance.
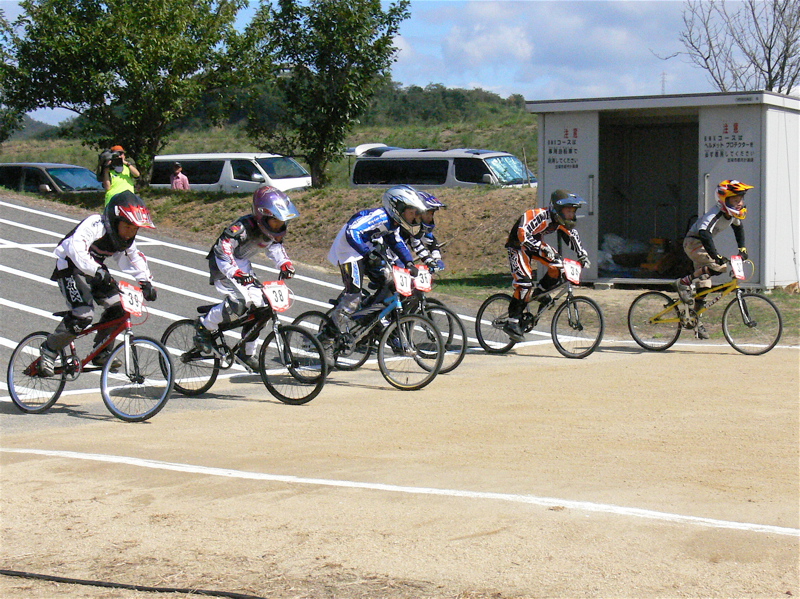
(410, 352)
(318, 322)
(577, 327)
(492, 316)
(753, 327)
(195, 373)
(296, 372)
(31, 393)
(142, 392)
(454, 335)
(651, 334)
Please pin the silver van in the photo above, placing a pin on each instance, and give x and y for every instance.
(236, 172)
(384, 166)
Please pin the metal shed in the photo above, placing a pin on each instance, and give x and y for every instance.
(649, 165)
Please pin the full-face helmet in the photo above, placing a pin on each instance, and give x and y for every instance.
(561, 199)
(271, 202)
(125, 206)
(396, 199)
(730, 189)
(433, 204)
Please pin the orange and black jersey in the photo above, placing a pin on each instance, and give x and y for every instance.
(530, 228)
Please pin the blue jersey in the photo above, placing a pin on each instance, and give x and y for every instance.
(357, 238)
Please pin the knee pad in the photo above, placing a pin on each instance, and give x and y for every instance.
(234, 308)
(77, 324)
(112, 313)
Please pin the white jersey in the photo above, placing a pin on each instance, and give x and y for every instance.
(88, 245)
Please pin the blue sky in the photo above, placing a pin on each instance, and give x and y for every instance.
(543, 50)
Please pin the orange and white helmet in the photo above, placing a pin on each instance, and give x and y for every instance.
(730, 188)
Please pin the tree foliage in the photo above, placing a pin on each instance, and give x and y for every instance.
(754, 46)
(131, 68)
(334, 55)
(435, 103)
(10, 118)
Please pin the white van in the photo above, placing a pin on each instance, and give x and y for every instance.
(384, 166)
(238, 172)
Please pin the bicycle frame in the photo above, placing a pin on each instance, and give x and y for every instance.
(724, 290)
(75, 365)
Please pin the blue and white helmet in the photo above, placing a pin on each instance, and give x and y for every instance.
(433, 203)
(396, 199)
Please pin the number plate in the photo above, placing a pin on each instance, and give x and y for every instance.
(738, 266)
(402, 280)
(423, 280)
(131, 298)
(572, 270)
(278, 295)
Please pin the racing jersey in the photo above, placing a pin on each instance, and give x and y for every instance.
(357, 238)
(239, 242)
(531, 227)
(711, 224)
(88, 245)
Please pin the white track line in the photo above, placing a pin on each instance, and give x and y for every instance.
(528, 499)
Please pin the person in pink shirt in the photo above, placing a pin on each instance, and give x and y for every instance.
(177, 178)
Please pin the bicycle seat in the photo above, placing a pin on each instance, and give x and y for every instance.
(205, 309)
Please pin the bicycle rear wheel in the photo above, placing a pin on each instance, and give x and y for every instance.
(492, 317)
(29, 391)
(292, 368)
(454, 335)
(752, 324)
(651, 324)
(410, 352)
(195, 372)
(141, 387)
(320, 325)
(577, 327)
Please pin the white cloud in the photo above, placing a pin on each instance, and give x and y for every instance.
(544, 50)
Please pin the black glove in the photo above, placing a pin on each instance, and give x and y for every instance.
(743, 253)
(412, 269)
(287, 271)
(719, 260)
(584, 260)
(244, 279)
(148, 291)
(102, 278)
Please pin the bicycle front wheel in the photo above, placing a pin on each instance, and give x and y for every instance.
(454, 335)
(752, 324)
(31, 392)
(141, 387)
(292, 367)
(654, 321)
(321, 325)
(492, 317)
(195, 372)
(577, 327)
(410, 352)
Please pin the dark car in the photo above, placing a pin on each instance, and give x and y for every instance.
(48, 177)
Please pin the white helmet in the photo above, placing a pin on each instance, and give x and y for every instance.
(396, 199)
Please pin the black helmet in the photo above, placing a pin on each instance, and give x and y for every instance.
(129, 207)
(559, 200)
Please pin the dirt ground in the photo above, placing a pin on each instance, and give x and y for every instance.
(626, 474)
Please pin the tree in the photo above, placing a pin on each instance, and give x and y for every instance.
(754, 47)
(335, 55)
(10, 118)
(131, 68)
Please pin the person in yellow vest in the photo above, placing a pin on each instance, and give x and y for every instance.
(117, 173)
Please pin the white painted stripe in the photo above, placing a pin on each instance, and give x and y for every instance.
(528, 499)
